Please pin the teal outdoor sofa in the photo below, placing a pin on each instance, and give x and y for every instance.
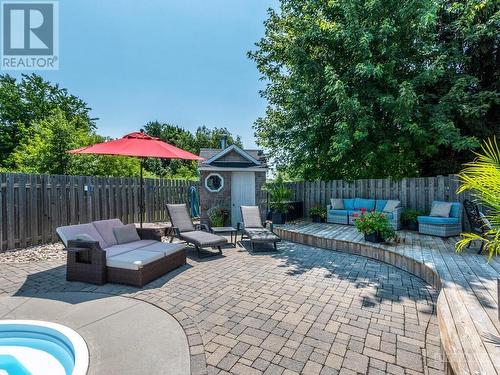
(342, 211)
(442, 226)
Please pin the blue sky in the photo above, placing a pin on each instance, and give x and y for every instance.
(177, 61)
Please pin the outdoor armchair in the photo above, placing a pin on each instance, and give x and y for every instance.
(256, 230)
(197, 235)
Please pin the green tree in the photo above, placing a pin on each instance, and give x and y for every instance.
(43, 149)
(360, 88)
(30, 100)
(182, 138)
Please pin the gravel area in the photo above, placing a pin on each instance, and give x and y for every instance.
(39, 253)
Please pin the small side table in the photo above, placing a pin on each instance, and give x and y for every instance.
(222, 230)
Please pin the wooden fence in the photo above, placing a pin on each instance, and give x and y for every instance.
(32, 206)
(415, 193)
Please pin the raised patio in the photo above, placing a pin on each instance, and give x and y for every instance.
(467, 312)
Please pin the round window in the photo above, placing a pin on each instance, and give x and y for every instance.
(214, 182)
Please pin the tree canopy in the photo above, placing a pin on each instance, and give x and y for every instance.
(192, 142)
(378, 88)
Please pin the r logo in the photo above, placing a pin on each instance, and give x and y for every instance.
(28, 29)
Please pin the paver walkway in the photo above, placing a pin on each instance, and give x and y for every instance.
(303, 310)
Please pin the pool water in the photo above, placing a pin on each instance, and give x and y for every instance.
(41, 348)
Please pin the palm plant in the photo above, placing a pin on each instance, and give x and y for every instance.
(482, 177)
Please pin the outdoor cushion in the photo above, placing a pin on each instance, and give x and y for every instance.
(456, 209)
(203, 239)
(337, 204)
(261, 235)
(179, 216)
(251, 216)
(133, 260)
(126, 233)
(349, 204)
(119, 249)
(367, 204)
(380, 204)
(105, 229)
(338, 212)
(437, 220)
(70, 232)
(440, 209)
(391, 205)
(164, 248)
(84, 237)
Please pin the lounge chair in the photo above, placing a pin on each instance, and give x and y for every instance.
(254, 229)
(479, 224)
(198, 235)
(109, 251)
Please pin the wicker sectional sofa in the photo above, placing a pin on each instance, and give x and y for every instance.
(95, 256)
(352, 206)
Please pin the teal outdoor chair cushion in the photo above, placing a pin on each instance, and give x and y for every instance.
(380, 204)
(338, 212)
(437, 220)
(349, 204)
(367, 204)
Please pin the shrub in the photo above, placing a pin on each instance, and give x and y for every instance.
(372, 222)
(218, 216)
(410, 216)
(318, 210)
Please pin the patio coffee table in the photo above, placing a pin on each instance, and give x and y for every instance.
(221, 230)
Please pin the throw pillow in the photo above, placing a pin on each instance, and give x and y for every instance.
(441, 209)
(391, 205)
(126, 233)
(337, 204)
(84, 237)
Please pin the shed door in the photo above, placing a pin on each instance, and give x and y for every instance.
(242, 193)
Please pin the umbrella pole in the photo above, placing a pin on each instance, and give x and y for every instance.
(141, 196)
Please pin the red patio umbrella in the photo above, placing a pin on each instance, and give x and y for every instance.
(138, 144)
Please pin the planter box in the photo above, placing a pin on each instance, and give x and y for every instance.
(412, 226)
(374, 237)
(317, 219)
(278, 218)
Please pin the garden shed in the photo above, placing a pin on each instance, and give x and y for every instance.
(231, 177)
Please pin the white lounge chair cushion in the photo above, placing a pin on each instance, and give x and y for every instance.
(123, 248)
(105, 229)
(70, 232)
(133, 260)
(164, 248)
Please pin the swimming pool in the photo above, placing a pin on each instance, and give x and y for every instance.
(31, 347)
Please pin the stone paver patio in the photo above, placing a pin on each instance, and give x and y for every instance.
(302, 310)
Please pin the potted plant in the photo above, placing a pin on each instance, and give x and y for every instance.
(318, 213)
(409, 218)
(279, 198)
(218, 216)
(374, 225)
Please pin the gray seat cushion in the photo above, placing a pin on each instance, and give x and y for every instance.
(133, 260)
(105, 229)
(337, 204)
(164, 248)
(261, 235)
(179, 216)
(251, 216)
(123, 248)
(391, 205)
(70, 232)
(203, 239)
